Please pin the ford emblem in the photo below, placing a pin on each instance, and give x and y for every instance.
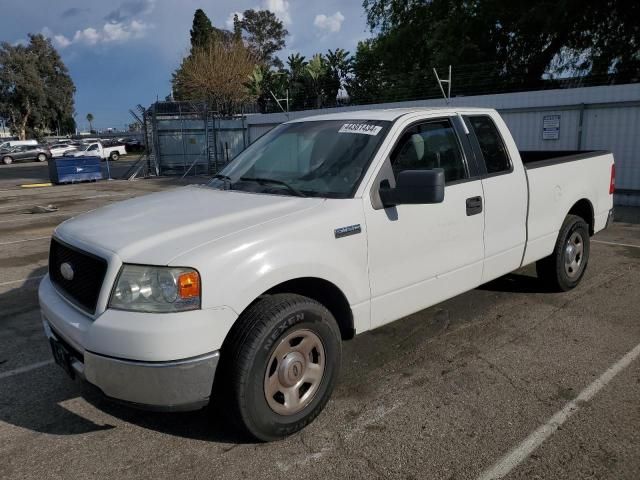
(66, 270)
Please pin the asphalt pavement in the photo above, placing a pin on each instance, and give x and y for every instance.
(507, 379)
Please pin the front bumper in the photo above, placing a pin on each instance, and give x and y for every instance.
(156, 361)
(173, 386)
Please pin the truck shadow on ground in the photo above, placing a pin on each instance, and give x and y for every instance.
(41, 399)
(516, 283)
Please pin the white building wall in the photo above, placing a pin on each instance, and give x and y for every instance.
(610, 121)
(526, 128)
(618, 130)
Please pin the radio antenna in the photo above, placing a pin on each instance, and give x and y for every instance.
(447, 96)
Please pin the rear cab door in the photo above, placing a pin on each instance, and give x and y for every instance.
(505, 189)
(422, 254)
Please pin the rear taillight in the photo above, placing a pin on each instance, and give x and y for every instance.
(612, 183)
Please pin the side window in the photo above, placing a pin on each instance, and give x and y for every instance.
(430, 145)
(491, 144)
(93, 147)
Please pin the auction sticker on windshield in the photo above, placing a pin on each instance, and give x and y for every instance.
(362, 128)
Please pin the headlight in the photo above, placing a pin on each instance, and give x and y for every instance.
(156, 289)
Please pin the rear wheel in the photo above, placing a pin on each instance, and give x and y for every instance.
(7, 160)
(114, 156)
(42, 157)
(279, 365)
(565, 267)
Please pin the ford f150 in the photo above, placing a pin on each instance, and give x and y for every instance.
(96, 149)
(323, 228)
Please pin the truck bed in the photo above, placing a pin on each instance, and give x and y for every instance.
(569, 176)
(542, 158)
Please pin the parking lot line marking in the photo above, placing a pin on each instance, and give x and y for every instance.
(36, 185)
(31, 216)
(521, 452)
(24, 369)
(71, 199)
(21, 280)
(616, 243)
(25, 240)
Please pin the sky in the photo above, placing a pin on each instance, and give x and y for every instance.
(121, 53)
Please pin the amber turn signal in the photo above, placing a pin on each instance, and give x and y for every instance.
(189, 285)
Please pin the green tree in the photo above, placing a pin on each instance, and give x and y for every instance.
(202, 30)
(339, 66)
(267, 85)
(36, 91)
(264, 34)
(316, 71)
(90, 120)
(368, 81)
(512, 42)
(296, 65)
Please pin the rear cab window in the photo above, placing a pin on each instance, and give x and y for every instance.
(490, 144)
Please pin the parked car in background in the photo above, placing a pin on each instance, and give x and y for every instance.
(96, 149)
(133, 145)
(31, 153)
(60, 149)
(16, 143)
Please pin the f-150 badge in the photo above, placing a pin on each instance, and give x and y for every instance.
(346, 231)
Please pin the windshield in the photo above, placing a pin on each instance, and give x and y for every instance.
(324, 158)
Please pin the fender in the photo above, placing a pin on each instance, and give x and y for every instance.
(239, 268)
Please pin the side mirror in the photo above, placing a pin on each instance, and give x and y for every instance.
(415, 187)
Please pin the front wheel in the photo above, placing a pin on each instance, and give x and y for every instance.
(7, 160)
(42, 157)
(565, 267)
(279, 365)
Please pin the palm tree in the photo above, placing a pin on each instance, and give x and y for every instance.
(316, 70)
(90, 119)
(340, 66)
(297, 64)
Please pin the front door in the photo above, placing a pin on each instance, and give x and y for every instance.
(420, 255)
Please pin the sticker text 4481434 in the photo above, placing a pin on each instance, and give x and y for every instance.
(362, 128)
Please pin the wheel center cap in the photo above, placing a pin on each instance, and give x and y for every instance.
(571, 252)
(291, 369)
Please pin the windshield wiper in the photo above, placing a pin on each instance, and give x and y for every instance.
(273, 181)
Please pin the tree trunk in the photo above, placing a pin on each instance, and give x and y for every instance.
(22, 130)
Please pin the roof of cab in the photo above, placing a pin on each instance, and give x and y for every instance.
(386, 113)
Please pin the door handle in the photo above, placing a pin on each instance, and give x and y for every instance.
(474, 206)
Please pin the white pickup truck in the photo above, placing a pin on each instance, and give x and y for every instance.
(96, 149)
(323, 228)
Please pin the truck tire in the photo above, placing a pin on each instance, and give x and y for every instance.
(279, 366)
(7, 160)
(114, 156)
(42, 157)
(564, 268)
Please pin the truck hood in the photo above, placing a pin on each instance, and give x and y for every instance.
(156, 228)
